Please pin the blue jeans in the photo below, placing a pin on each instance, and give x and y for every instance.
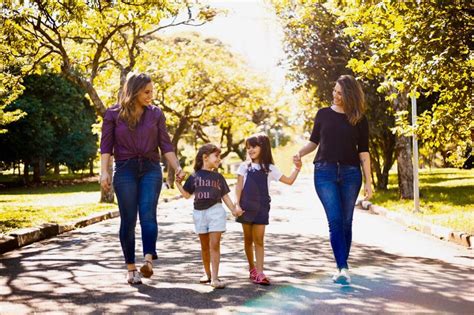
(137, 183)
(338, 187)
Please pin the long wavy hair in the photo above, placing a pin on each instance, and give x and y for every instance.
(206, 149)
(128, 95)
(265, 158)
(353, 100)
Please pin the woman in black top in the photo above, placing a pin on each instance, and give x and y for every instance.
(341, 132)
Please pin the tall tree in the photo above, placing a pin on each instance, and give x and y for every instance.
(418, 46)
(88, 41)
(56, 127)
(204, 89)
(317, 53)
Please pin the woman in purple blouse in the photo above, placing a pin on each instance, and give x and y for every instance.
(132, 131)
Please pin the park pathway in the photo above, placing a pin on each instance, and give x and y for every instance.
(394, 270)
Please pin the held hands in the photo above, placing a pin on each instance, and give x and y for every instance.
(298, 163)
(180, 175)
(237, 212)
(105, 181)
(297, 159)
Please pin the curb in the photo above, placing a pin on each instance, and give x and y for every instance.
(437, 231)
(26, 236)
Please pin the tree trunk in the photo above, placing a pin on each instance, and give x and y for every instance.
(91, 167)
(56, 169)
(26, 178)
(404, 155)
(36, 172)
(88, 87)
(42, 167)
(108, 197)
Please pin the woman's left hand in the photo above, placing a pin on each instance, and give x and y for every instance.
(368, 192)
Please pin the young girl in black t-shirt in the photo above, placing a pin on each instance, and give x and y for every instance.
(209, 188)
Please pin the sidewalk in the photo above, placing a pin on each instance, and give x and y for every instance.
(395, 270)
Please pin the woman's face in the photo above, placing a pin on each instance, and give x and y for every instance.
(337, 95)
(145, 96)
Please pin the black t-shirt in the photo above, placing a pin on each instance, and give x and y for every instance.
(339, 141)
(208, 188)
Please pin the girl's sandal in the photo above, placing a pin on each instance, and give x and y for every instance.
(253, 273)
(147, 269)
(260, 278)
(205, 279)
(133, 277)
(218, 284)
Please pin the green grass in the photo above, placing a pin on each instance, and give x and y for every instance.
(446, 198)
(28, 207)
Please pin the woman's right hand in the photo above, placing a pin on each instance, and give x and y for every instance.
(105, 181)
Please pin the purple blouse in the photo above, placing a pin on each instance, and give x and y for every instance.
(149, 134)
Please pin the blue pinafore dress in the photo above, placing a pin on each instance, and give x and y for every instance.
(255, 199)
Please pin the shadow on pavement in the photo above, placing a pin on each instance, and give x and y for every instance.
(83, 272)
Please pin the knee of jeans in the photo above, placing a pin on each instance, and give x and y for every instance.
(348, 223)
(336, 224)
(148, 219)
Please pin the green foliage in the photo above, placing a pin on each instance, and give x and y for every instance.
(208, 94)
(90, 42)
(318, 52)
(421, 47)
(57, 125)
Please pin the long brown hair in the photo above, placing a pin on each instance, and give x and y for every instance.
(353, 100)
(206, 149)
(265, 158)
(128, 95)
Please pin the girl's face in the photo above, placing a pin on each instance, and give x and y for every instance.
(212, 161)
(145, 96)
(337, 95)
(254, 153)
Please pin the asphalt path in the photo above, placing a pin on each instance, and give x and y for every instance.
(394, 269)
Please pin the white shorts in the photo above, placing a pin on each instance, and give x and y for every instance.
(212, 219)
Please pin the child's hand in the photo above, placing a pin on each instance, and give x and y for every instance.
(238, 211)
(298, 163)
(179, 180)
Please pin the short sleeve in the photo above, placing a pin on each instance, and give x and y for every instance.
(316, 133)
(224, 187)
(108, 130)
(189, 185)
(242, 170)
(363, 144)
(275, 174)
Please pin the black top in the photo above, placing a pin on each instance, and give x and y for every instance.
(208, 188)
(339, 141)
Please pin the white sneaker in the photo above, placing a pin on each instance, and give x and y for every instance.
(344, 277)
(336, 275)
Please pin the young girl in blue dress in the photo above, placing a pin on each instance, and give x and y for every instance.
(253, 199)
(209, 189)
